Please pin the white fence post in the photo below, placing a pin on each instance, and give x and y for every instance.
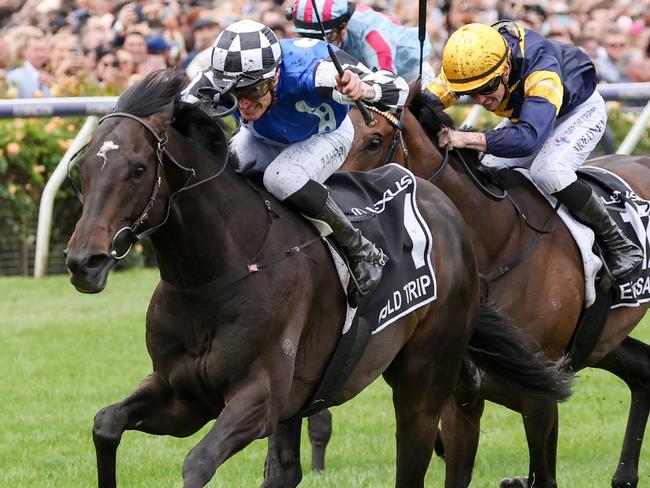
(636, 131)
(49, 192)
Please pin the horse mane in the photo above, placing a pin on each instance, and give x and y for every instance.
(430, 111)
(159, 91)
(207, 132)
(153, 94)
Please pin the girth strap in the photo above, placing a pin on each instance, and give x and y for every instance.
(347, 354)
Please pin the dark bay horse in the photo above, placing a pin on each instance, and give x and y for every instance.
(249, 307)
(544, 293)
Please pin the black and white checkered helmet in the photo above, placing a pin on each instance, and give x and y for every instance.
(246, 50)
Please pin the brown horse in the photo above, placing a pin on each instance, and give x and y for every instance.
(245, 317)
(544, 293)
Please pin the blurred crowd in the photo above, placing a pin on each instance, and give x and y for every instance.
(48, 47)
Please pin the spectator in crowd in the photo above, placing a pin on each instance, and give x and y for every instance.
(96, 33)
(169, 21)
(74, 63)
(609, 56)
(158, 54)
(635, 63)
(592, 28)
(31, 79)
(127, 65)
(5, 56)
(204, 32)
(589, 45)
(136, 43)
(275, 18)
(60, 46)
(102, 24)
(560, 24)
(107, 70)
(530, 14)
(131, 18)
(467, 11)
(375, 39)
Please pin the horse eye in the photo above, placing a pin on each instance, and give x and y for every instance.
(139, 171)
(375, 144)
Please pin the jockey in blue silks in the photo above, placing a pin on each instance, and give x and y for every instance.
(375, 39)
(295, 130)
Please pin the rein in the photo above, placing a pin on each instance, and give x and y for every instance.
(478, 183)
(541, 232)
(161, 152)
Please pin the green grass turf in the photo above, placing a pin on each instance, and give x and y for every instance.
(65, 355)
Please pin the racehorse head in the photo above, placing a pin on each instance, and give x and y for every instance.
(371, 145)
(411, 141)
(124, 178)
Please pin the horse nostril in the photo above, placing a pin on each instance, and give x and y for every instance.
(86, 263)
(98, 260)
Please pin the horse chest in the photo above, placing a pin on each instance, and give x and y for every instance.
(196, 356)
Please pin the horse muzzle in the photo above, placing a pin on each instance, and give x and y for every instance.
(88, 269)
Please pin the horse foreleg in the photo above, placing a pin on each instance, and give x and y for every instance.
(630, 361)
(282, 465)
(152, 408)
(248, 415)
(320, 432)
(461, 421)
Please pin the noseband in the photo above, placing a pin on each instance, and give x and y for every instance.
(161, 153)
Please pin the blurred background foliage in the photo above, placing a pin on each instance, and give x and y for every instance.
(30, 150)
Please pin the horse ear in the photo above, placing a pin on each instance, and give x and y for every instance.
(163, 118)
(413, 89)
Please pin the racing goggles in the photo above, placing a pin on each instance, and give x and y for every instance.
(488, 89)
(253, 92)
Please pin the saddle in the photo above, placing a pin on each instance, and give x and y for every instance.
(631, 214)
(382, 203)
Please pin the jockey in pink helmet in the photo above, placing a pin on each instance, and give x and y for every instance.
(377, 40)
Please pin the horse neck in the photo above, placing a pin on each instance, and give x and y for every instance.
(483, 216)
(211, 227)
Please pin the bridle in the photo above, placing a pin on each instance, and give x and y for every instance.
(398, 138)
(161, 153)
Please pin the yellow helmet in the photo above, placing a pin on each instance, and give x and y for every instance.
(473, 55)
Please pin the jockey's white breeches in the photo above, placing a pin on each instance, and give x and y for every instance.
(288, 167)
(574, 136)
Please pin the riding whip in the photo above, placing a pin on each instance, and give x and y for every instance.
(367, 118)
(422, 31)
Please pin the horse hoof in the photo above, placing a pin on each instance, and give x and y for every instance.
(514, 483)
(618, 483)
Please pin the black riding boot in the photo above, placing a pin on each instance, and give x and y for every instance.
(366, 260)
(622, 254)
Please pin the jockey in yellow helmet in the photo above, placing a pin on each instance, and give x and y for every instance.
(554, 117)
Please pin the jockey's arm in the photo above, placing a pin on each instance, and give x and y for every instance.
(379, 87)
(462, 140)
